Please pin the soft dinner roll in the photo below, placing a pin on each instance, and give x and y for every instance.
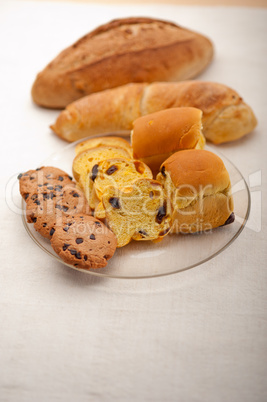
(157, 136)
(103, 142)
(198, 186)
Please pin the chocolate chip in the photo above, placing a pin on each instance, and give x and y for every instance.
(58, 187)
(163, 171)
(65, 246)
(34, 220)
(164, 232)
(60, 178)
(230, 219)
(34, 196)
(26, 196)
(37, 202)
(108, 242)
(79, 240)
(70, 177)
(66, 228)
(19, 176)
(44, 225)
(97, 223)
(65, 209)
(37, 169)
(94, 172)
(58, 206)
(92, 237)
(72, 251)
(31, 178)
(106, 257)
(50, 188)
(151, 194)
(114, 201)
(143, 233)
(76, 195)
(48, 176)
(111, 169)
(52, 231)
(85, 257)
(78, 255)
(40, 185)
(161, 213)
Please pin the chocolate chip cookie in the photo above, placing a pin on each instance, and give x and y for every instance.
(42, 179)
(83, 241)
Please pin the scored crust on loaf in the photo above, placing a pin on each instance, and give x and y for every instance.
(225, 116)
(199, 189)
(85, 161)
(104, 141)
(118, 173)
(157, 136)
(140, 212)
(122, 51)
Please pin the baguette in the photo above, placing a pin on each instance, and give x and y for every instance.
(122, 51)
(225, 116)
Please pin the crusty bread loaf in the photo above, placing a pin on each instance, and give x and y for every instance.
(199, 189)
(139, 212)
(118, 173)
(225, 116)
(158, 135)
(122, 51)
(96, 142)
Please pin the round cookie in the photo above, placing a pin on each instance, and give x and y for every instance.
(84, 241)
(42, 179)
(48, 209)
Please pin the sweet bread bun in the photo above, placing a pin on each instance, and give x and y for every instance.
(118, 173)
(157, 136)
(226, 117)
(139, 212)
(198, 186)
(103, 142)
(85, 167)
(122, 51)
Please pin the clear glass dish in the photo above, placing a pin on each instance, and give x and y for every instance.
(176, 253)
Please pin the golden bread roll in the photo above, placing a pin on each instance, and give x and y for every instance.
(112, 141)
(118, 173)
(122, 51)
(84, 162)
(139, 212)
(157, 136)
(199, 189)
(225, 116)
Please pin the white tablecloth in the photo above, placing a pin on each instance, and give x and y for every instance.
(67, 336)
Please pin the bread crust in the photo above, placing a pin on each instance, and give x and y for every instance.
(226, 117)
(158, 135)
(119, 52)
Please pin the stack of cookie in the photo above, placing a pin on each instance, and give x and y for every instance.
(60, 212)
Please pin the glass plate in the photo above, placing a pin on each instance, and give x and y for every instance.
(175, 253)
